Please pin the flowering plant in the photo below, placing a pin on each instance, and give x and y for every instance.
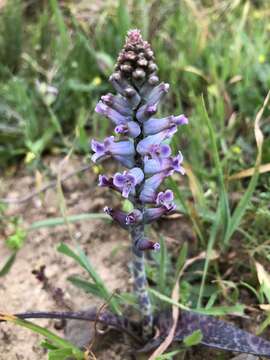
(141, 145)
(142, 148)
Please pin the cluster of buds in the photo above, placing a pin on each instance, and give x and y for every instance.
(141, 141)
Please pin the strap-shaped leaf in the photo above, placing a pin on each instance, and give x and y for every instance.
(216, 334)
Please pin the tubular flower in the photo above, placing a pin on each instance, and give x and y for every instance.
(123, 151)
(127, 181)
(170, 164)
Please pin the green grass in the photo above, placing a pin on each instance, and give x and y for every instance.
(54, 66)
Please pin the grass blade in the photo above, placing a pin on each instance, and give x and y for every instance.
(55, 339)
(83, 261)
(8, 264)
(62, 221)
(243, 203)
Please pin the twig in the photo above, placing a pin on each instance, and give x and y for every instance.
(52, 184)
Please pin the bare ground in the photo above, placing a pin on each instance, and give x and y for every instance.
(105, 244)
(107, 247)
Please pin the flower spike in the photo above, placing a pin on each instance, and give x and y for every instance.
(144, 151)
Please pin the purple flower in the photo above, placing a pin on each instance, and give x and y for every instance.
(149, 85)
(145, 112)
(159, 151)
(123, 151)
(158, 164)
(131, 128)
(153, 214)
(124, 219)
(157, 93)
(117, 215)
(125, 89)
(146, 244)
(148, 193)
(111, 114)
(154, 126)
(104, 181)
(144, 146)
(127, 181)
(165, 199)
(118, 103)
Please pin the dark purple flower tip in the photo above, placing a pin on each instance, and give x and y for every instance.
(103, 180)
(127, 181)
(117, 215)
(107, 210)
(146, 244)
(134, 217)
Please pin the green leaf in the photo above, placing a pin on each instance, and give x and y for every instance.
(123, 18)
(217, 311)
(194, 339)
(7, 266)
(181, 258)
(47, 345)
(217, 163)
(16, 240)
(55, 339)
(61, 354)
(62, 221)
(162, 266)
(83, 261)
(86, 286)
(169, 356)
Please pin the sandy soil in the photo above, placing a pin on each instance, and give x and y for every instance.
(105, 244)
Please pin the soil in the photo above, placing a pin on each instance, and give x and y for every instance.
(105, 244)
(107, 247)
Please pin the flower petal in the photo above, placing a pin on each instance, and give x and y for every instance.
(148, 193)
(153, 125)
(118, 102)
(117, 215)
(111, 114)
(144, 146)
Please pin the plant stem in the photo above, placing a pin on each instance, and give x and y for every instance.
(140, 281)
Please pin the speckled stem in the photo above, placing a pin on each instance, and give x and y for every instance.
(140, 281)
